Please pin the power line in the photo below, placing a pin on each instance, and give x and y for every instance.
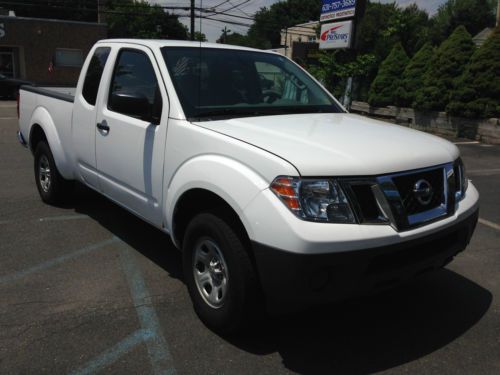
(201, 10)
(235, 6)
(218, 5)
(242, 11)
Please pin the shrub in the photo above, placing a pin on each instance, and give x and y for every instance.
(388, 79)
(413, 76)
(445, 68)
(478, 90)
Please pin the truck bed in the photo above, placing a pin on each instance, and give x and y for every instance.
(63, 93)
(52, 108)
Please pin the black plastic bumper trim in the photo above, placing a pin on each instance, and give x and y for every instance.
(292, 281)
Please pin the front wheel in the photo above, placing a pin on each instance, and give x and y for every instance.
(219, 274)
(52, 187)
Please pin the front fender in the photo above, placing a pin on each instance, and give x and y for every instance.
(233, 181)
(42, 118)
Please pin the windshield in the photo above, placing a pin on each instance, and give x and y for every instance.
(214, 83)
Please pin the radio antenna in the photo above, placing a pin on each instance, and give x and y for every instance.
(200, 70)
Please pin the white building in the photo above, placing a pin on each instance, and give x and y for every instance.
(301, 33)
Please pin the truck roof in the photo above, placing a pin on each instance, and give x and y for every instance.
(159, 43)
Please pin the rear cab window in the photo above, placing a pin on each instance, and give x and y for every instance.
(94, 74)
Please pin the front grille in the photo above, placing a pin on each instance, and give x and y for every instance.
(406, 183)
(367, 208)
(402, 199)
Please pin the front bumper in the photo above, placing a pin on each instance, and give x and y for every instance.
(293, 281)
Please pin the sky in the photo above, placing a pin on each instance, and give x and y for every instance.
(213, 29)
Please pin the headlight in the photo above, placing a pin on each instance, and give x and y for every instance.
(316, 200)
(463, 181)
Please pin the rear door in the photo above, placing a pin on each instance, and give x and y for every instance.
(84, 115)
(130, 147)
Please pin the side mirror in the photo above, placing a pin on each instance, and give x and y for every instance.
(135, 105)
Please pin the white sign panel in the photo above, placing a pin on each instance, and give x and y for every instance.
(337, 9)
(336, 35)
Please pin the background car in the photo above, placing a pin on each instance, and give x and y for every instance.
(9, 87)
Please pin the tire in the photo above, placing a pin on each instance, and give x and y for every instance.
(209, 238)
(52, 187)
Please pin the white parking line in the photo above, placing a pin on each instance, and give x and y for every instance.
(50, 218)
(467, 143)
(64, 217)
(489, 223)
(483, 172)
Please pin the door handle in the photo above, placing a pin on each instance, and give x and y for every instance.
(103, 126)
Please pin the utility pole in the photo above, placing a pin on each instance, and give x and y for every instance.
(192, 19)
(101, 16)
(498, 14)
(225, 30)
(286, 41)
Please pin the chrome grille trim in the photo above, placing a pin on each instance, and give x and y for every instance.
(391, 198)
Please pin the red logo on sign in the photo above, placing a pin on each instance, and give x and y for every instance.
(325, 34)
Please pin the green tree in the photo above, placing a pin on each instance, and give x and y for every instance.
(236, 39)
(376, 30)
(474, 15)
(412, 78)
(384, 25)
(383, 88)
(139, 19)
(446, 67)
(478, 90)
(265, 32)
(199, 36)
(333, 69)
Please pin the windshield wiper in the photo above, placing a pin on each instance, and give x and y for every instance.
(228, 112)
(224, 113)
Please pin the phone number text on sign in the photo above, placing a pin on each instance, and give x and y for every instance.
(336, 9)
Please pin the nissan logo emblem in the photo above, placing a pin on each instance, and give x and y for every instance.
(423, 192)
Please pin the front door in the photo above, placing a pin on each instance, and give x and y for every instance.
(130, 147)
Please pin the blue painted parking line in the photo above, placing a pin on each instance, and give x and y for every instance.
(54, 262)
(159, 354)
(112, 355)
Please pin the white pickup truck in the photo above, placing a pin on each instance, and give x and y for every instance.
(273, 192)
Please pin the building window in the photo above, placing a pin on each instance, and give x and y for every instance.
(68, 58)
(312, 39)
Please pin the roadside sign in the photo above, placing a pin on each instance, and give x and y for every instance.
(336, 35)
(337, 9)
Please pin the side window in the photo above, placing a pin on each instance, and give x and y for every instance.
(94, 74)
(134, 88)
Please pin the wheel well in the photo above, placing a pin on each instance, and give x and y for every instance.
(36, 136)
(196, 201)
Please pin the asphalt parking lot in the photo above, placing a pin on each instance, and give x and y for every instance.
(88, 287)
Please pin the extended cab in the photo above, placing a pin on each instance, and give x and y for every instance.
(273, 192)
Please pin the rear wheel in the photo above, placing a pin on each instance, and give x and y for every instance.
(219, 274)
(52, 187)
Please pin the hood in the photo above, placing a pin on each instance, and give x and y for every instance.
(340, 144)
